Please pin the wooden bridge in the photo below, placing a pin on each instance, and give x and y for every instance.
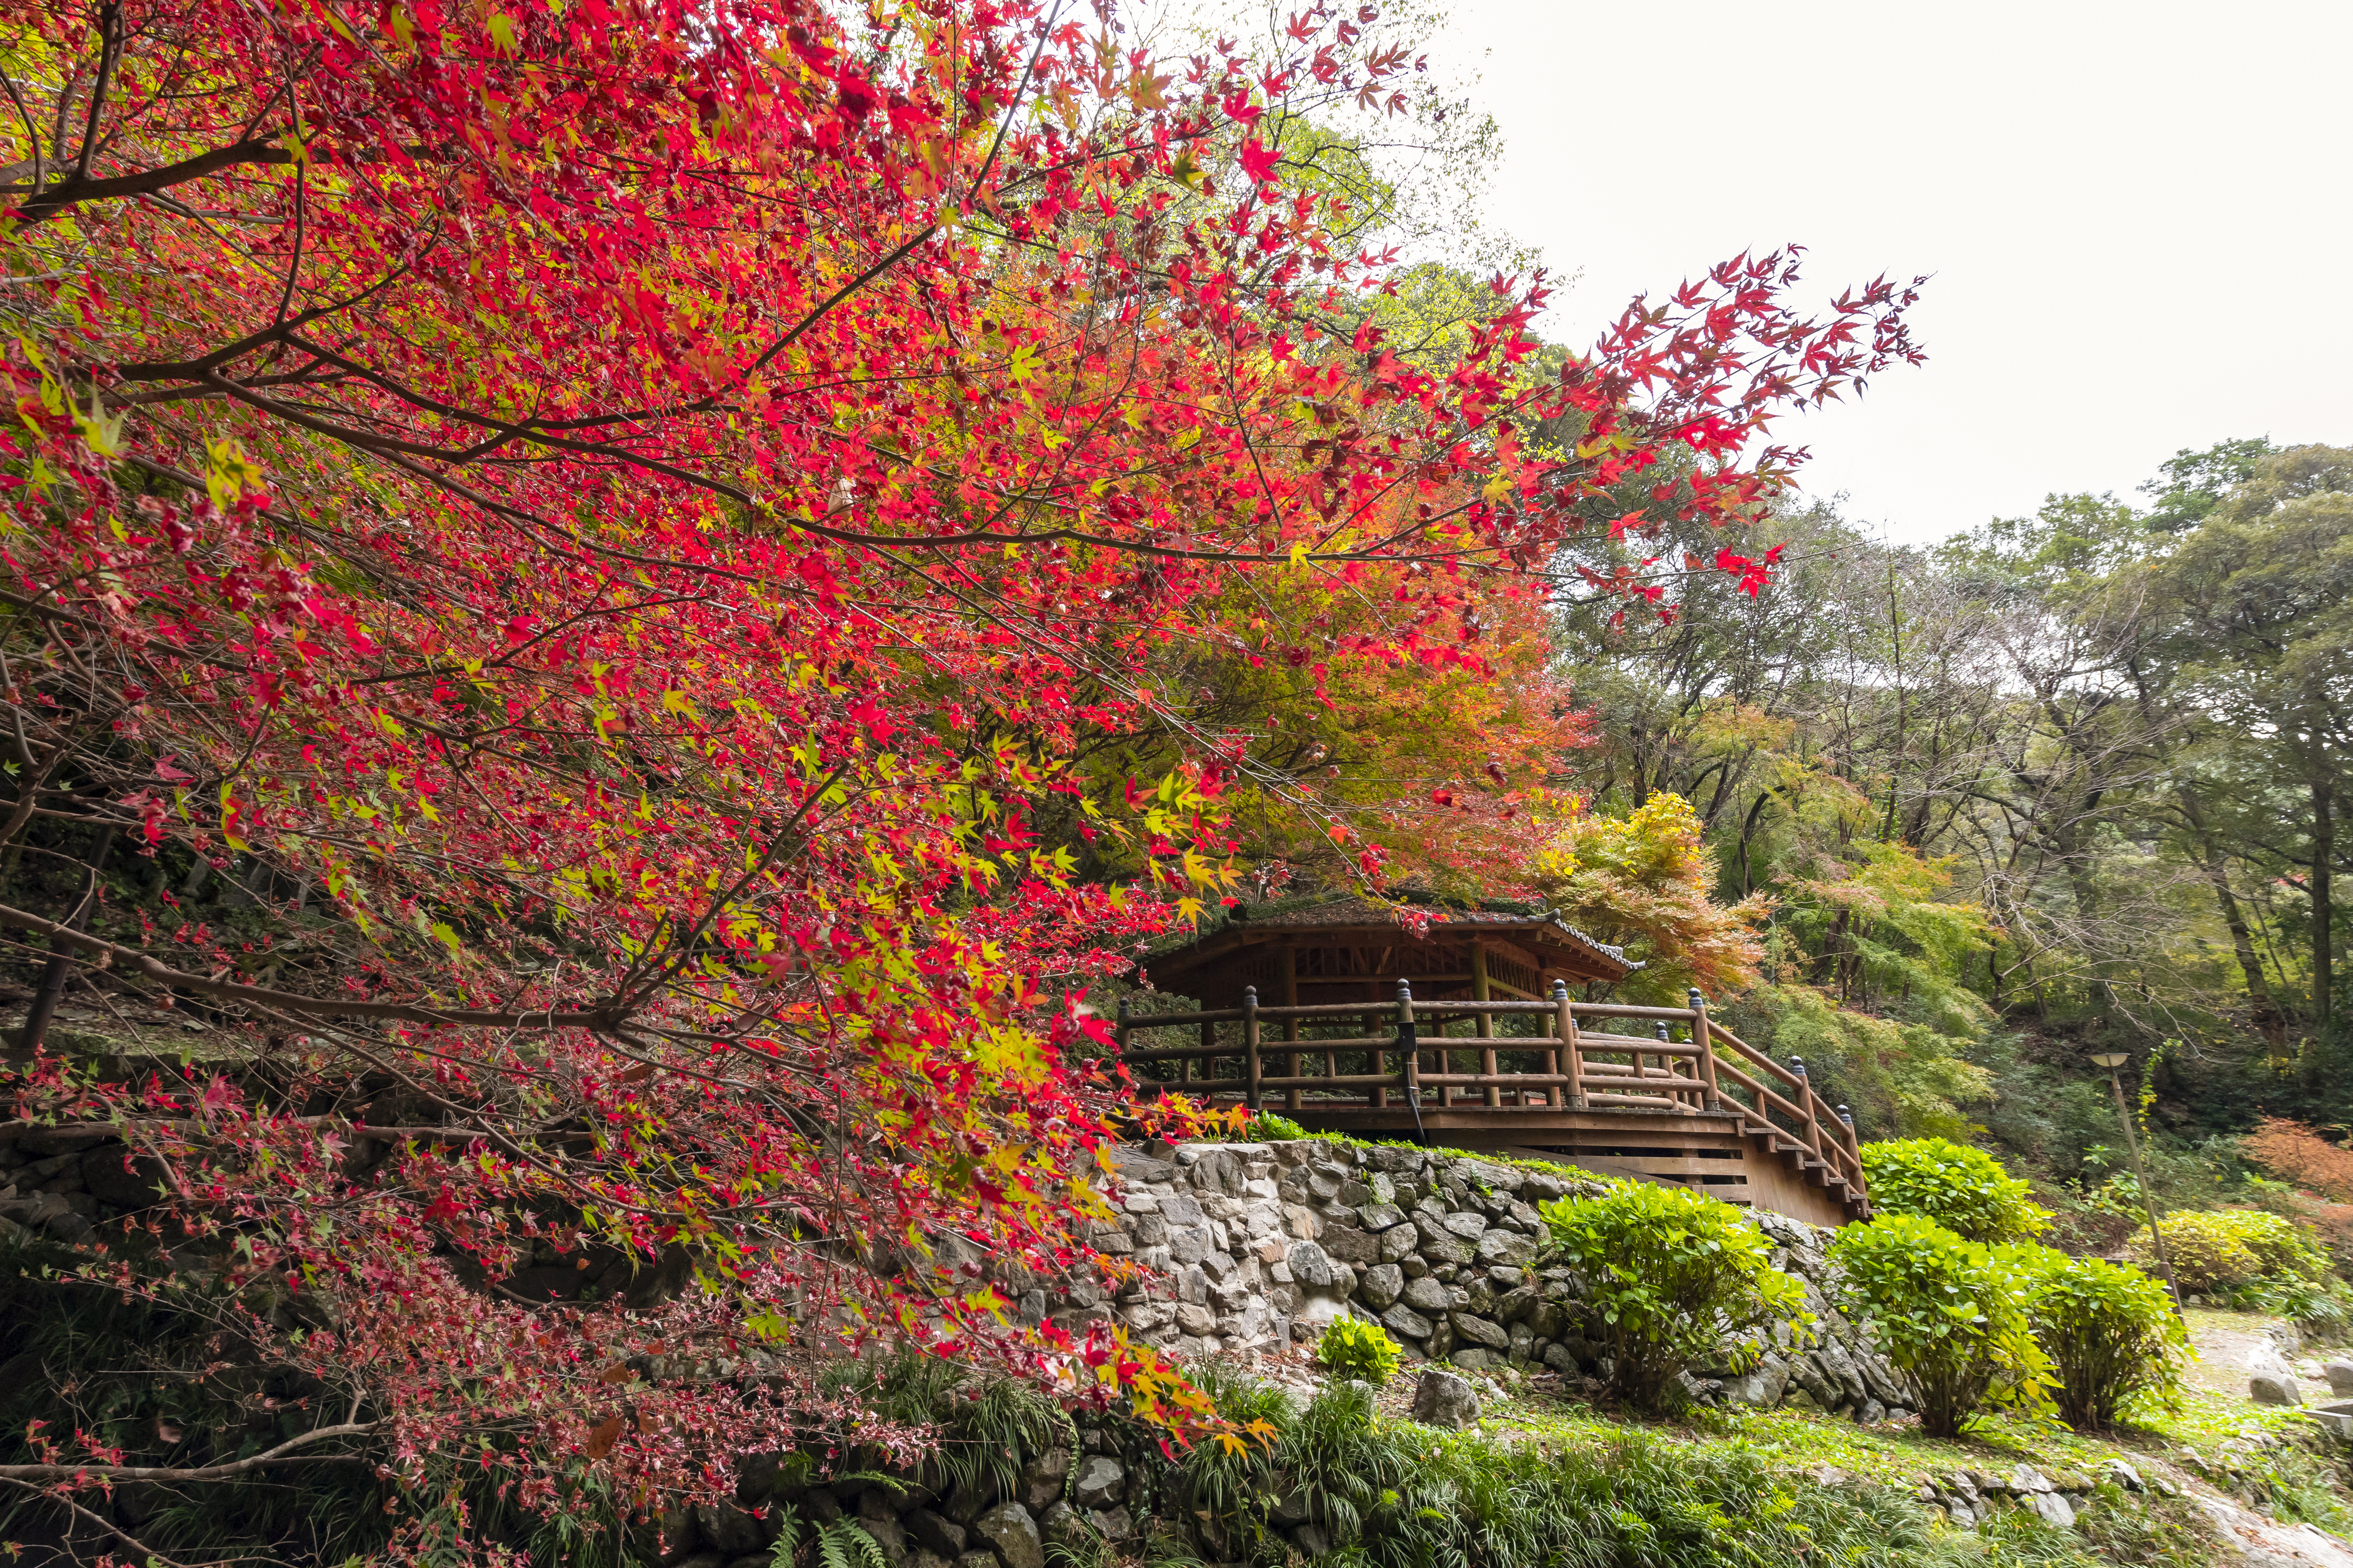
(1666, 1094)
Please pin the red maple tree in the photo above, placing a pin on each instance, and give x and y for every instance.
(631, 513)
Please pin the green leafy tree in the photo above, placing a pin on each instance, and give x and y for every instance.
(2259, 600)
(2192, 484)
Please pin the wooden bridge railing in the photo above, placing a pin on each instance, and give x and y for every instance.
(1518, 1055)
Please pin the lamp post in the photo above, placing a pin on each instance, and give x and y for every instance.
(2112, 1060)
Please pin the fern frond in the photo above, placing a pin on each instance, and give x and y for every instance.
(788, 1520)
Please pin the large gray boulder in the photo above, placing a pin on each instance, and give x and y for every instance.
(1507, 1248)
(2274, 1388)
(1310, 1270)
(1381, 1286)
(940, 1535)
(1403, 1321)
(1012, 1535)
(1472, 1330)
(1065, 1527)
(1101, 1482)
(1444, 1399)
(1042, 1478)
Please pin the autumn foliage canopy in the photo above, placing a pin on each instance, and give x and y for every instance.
(635, 513)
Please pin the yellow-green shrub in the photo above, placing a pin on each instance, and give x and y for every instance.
(2221, 1250)
(1948, 1312)
(1672, 1275)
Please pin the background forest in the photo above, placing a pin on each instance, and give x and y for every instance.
(1947, 822)
(1944, 821)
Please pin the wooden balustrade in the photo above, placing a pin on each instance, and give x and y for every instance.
(1563, 1065)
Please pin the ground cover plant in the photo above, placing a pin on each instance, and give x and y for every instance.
(1546, 1483)
(1352, 1348)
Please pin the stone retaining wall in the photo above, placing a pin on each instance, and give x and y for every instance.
(1252, 1244)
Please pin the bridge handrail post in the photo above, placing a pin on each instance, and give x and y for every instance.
(1853, 1150)
(1811, 1102)
(1703, 1036)
(1408, 1042)
(1573, 1059)
(1250, 1045)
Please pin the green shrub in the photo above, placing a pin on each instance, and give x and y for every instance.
(1963, 1189)
(1266, 1127)
(1353, 1348)
(2111, 1334)
(1950, 1312)
(1674, 1276)
(2220, 1251)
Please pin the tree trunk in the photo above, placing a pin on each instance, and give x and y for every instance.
(2323, 852)
(2269, 1018)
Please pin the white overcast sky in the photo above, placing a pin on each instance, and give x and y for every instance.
(2140, 217)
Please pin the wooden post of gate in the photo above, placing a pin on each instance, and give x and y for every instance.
(1209, 1063)
(1703, 1037)
(1250, 1045)
(1563, 1024)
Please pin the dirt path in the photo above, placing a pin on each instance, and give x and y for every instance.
(2230, 1346)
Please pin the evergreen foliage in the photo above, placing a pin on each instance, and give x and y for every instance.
(1352, 1348)
(2111, 1336)
(2223, 1250)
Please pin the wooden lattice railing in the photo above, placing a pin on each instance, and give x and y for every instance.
(1521, 1054)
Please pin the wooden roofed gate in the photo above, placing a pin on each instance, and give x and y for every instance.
(1341, 1019)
